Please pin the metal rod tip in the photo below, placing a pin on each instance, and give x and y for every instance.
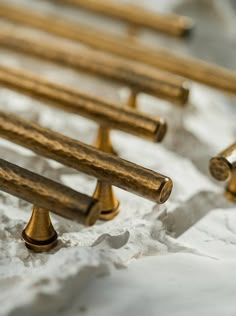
(165, 190)
(220, 168)
(161, 130)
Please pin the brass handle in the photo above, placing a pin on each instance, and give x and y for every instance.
(48, 194)
(212, 75)
(70, 100)
(174, 25)
(105, 167)
(139, 78)
(223, 167)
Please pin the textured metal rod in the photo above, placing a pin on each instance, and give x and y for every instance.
(48, 194)
(70, 100)
(209, 74)
(171, 24)
(223, 167)
(137, 76)
(84, 158)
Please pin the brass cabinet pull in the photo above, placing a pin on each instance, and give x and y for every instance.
(138, 77)
(85, 158)
(171, 24)
(212, 75)
(45, 194)
(70, 100)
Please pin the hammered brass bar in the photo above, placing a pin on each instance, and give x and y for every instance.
(70, 100)
(174, 25)
(47, 194)
(223, 167)
(85, 158)
(138, 77)
(194, 69)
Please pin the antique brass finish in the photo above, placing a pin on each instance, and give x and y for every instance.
(132, 33)
(42, 90)
(140, 78)
(74, 154)
(231, 188)
(47, 194)
(39, 235)
(174, 25)
(70, 100)
(104, 192)
(194, 69)
(109, 204)
(103, 140)
(132, 101)
(223, 167)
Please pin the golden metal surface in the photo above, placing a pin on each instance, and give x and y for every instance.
(39, 235)
(209, 74)
(174, 25)
(223, 167)
(109, 203)
(231, 187)
(132, 101)
(42, 90)
(103, 140)
(132, 33)
(47, 194)
(84, 158)
(70, 100)
(139, 77)
(104, 192)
